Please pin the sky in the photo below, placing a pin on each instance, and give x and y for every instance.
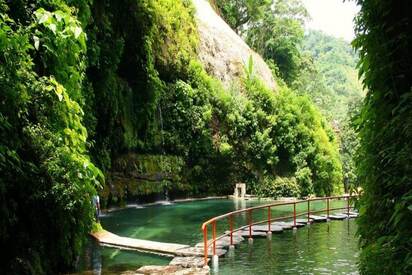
(334, 17)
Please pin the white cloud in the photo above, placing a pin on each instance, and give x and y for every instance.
(334, 17)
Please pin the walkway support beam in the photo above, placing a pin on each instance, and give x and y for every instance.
(205, 246)
(294, 214)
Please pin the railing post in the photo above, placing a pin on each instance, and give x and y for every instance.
(250, 224)
(231, 229)
(308, 211)
(205, 246)
(269, 219)
(347, 198)
(327, 209)
(294, 215)
(214, 237)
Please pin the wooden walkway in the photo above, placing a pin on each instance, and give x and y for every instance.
(186, 259)
(109, 239)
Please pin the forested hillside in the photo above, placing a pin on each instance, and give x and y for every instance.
(110, 97)
(330, 78)
(315, 65)
(337, 84)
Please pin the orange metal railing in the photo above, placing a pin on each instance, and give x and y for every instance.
(249, 211)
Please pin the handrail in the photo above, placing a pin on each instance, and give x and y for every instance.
(269, 220)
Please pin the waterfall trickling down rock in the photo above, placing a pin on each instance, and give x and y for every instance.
(161, 129)
(222, 52)
(165, 187)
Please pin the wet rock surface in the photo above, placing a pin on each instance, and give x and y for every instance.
(170, 269)
(224, 53)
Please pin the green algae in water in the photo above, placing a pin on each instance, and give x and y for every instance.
(181, 222)
(321, 248)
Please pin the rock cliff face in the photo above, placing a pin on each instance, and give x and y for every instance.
(224, 55)
(222, 52)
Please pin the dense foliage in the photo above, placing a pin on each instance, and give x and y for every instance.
(47, 179)
(332, 82)
(315, 64)
(239, 14)
(275, 30)
(328, 76)
(184, 112)
(384, 41)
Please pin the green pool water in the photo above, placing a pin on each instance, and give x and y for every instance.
(319, 249)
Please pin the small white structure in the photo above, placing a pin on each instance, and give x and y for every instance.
(240, 190)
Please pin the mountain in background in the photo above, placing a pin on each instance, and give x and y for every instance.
(329, 75)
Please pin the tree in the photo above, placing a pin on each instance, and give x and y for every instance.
(47, 178)
(278, 34)
(239, 13)
(384, 40)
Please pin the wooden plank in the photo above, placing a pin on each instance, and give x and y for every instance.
(108, 238)
(351, 214)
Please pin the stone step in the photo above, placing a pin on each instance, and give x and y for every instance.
(337, 216)
(170, 270)
(224, 242)
(199, 252)
(188, 261)
(245, 233)
(316, 218)
(265, 228)
(299, 223)
(303, 221)
(284, 225)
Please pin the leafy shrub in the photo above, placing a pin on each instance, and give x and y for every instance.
(278, 187)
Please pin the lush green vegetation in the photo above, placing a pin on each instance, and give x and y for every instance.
(329, 77)
(385, 123)
(313, 64)
(82, 87)
(332, 82)
(47, 178)
(240, 13)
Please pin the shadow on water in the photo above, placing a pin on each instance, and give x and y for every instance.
(98, 260)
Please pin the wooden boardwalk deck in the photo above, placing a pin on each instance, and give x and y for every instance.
(107, 238)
